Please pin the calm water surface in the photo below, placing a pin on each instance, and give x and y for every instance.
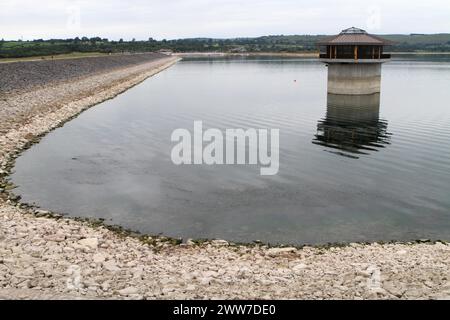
(350, 170)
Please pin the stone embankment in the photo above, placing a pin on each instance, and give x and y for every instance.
(45, 255)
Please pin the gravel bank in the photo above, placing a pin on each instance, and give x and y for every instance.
(20, 76)
(57, 257)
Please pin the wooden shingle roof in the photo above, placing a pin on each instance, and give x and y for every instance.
(354, 36)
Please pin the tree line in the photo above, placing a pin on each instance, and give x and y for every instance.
(277, 43)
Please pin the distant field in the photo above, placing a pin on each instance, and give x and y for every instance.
(274, 44)
(72, 55)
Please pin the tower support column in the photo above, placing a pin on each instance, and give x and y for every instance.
(354, 78)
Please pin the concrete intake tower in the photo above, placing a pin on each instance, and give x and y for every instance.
(354, 60)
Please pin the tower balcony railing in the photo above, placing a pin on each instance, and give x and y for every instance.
(352, 57)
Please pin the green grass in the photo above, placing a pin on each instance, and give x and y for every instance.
(72, 55)
(275, 43)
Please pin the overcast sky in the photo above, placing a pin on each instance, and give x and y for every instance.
(114, 19)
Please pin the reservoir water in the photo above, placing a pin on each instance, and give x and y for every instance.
(350, 169)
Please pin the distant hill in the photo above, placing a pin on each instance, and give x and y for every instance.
(273, 43)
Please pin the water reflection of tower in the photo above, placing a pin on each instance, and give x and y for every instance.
(352, 125)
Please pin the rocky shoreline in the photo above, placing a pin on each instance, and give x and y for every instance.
(45, 255)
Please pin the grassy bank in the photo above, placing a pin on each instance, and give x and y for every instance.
(287, 44)
(72, 55)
